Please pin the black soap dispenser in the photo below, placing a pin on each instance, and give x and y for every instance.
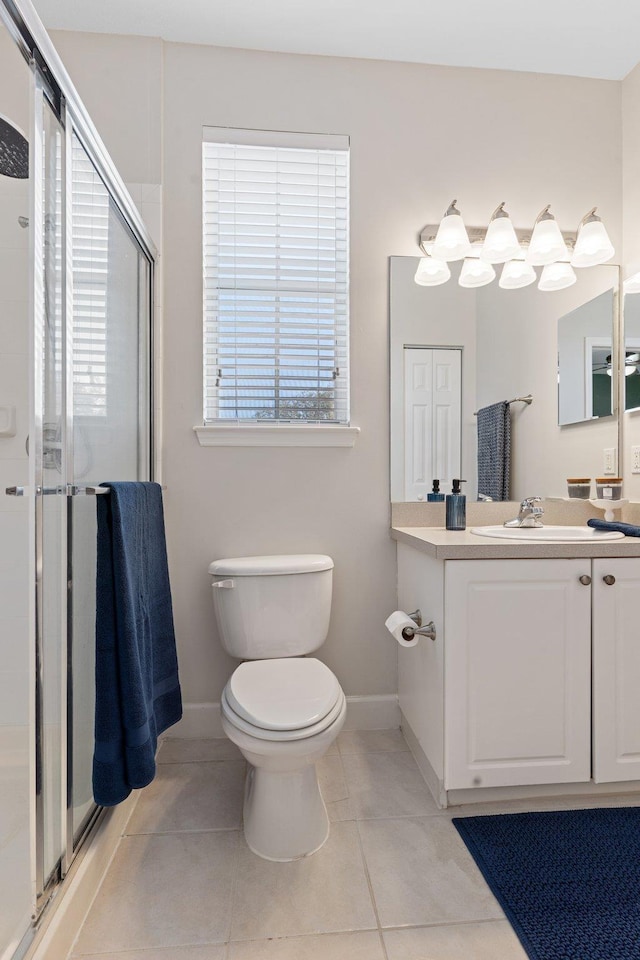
(456, 508)
(435, 496)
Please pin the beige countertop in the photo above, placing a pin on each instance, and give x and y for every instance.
(464, 545)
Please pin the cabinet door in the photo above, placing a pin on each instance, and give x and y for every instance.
(616, 670)
(517, 672)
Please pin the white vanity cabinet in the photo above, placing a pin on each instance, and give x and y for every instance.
(517, 672)
(616, 670)
(534, 677)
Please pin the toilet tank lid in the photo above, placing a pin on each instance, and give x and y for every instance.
(270, 566)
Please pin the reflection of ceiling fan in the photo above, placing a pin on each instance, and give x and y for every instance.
(632, 359)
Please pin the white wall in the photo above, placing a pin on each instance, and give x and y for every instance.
(631, 249)
(420, 135)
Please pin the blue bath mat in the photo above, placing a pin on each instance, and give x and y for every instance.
(568, 881)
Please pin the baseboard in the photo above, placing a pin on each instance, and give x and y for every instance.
(64, 917)
(378, 712)
(436, 786)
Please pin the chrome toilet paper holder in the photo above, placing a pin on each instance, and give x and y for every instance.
(429, 629)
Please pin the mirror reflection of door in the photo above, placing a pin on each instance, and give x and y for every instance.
(432, 395)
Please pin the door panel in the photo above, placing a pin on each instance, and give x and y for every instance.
(517, 672)
(616, 671)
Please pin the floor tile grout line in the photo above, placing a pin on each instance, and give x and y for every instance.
(371, 893)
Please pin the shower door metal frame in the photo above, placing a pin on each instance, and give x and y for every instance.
(52, 87)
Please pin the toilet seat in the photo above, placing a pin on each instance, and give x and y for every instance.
(282, 699)
(286, 693)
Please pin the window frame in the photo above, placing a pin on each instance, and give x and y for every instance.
(276, 432)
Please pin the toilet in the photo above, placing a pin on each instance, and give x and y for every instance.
(282, 708)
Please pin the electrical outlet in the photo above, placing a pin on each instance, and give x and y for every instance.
(609, 463)
(635, 459)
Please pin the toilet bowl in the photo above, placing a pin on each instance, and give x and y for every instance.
(281, 708)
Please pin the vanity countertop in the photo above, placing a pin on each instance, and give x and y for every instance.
(446, 544)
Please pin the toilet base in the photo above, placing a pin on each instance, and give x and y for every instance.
(284, 814)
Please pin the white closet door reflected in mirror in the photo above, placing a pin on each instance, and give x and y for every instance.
(432, 412)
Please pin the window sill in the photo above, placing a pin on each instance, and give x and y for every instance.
(276, 435)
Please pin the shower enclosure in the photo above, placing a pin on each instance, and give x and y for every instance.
(76, 282)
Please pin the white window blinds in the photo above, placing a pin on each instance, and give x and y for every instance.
(275, 249)
(90, 243)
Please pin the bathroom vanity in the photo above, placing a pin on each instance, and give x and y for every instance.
(531, 685)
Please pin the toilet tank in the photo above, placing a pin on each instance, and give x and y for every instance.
(268, 607)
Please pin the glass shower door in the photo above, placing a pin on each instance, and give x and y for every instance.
(47, 448)
(16, 662)
(111, 413)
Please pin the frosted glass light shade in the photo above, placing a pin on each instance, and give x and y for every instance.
(476, 273)
(431, 273)
(546, 245)
(557, 276)
(501, 243)
(593, 245)
(452, 239)
(516, 274)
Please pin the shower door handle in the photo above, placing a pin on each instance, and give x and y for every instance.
(40, 491)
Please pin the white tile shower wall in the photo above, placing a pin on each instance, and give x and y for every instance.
(406, 165)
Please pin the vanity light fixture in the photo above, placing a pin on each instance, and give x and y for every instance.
(516, 274)
(452, 240)
(593, 245)
(431, 273)
(557, 276)
(547, 243)
(501, 243)
(476, 273)
(520, 250)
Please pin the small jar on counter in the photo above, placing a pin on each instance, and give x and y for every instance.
(579, 488)
(609, 488)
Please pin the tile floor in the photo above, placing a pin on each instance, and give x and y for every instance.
(393, 882)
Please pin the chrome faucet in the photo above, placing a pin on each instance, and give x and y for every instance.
(529, 515)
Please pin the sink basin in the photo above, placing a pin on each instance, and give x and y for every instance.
(549, 534)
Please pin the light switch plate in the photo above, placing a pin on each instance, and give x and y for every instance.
(635, 459)
(7, 420)
(609, 462)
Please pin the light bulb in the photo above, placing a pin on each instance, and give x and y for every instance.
(547, 243)
(501, 243)
(452, 240)
(557, 276)
(431, 273)
(593, 245)
(516, 274)
(476, 273)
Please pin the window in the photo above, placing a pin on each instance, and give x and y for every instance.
(90, 242)
(275, 251)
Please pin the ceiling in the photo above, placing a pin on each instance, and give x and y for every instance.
(585, 38)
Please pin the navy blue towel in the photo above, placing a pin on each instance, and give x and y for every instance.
(628, 529)
(137, 687)
(494, 450)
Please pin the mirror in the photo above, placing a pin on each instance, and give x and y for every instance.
(585, 368)
(632, 351)
(456, 350)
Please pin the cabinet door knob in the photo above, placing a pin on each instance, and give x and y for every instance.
(585, 580)
(609, 579)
